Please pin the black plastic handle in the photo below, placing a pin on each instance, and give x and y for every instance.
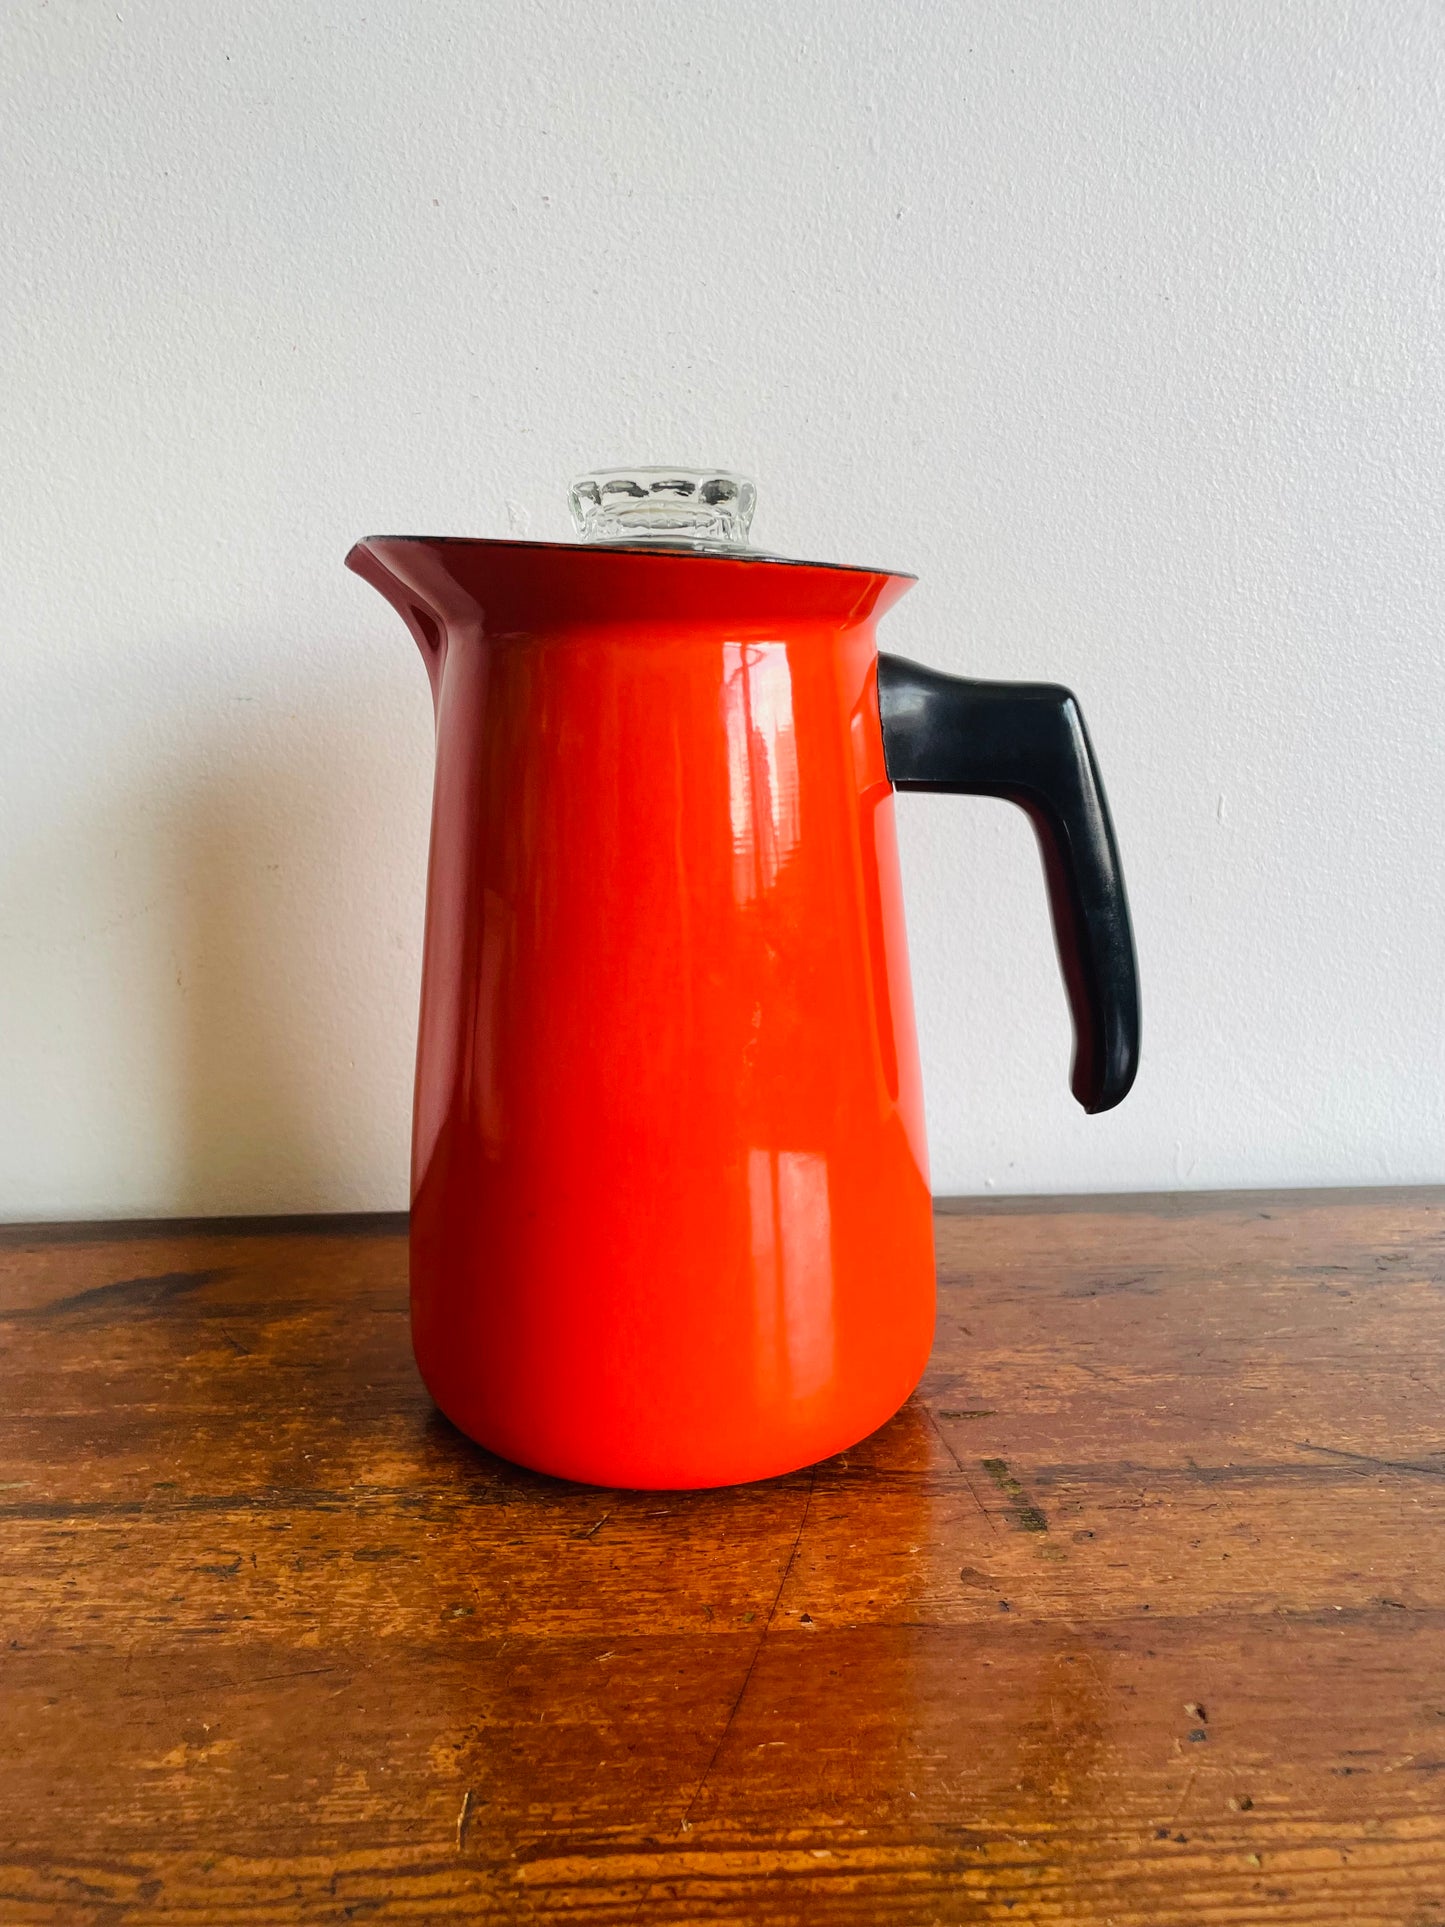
(1026, 741)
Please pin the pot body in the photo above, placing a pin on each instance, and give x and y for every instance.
(671, 1222)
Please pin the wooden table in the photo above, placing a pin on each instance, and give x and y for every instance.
(1136, 1614)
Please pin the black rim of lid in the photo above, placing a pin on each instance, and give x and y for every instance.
(693, 552)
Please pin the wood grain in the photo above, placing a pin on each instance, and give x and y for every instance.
(1135, 1615)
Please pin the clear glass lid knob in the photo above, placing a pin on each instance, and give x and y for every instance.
(690, 507)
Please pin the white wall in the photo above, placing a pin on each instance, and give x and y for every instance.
(1119, 323)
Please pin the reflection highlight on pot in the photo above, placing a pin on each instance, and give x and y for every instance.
(762, 751)
(792, 1233)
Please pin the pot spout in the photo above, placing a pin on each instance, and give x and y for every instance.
(421, 617)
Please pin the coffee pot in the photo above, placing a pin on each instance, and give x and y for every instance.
(671, 1223)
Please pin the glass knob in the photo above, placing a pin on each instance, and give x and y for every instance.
(697, 507)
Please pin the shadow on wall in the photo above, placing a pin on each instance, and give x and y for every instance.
(298, 848)
(210, 947)
(273, 995)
